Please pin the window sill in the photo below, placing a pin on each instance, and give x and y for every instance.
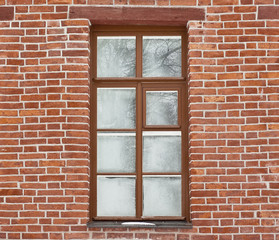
(143, 224)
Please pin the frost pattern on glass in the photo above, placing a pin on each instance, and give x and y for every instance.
(116, 108)
(161, 107)
(115, 196)
(116, 56)
(116, 152)
(161, 196)
(161, 152)
(162, 56)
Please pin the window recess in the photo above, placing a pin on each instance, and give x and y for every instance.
(139, 161)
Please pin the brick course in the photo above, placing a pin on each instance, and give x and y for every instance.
(233, 114)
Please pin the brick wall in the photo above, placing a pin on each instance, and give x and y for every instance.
(233, 111)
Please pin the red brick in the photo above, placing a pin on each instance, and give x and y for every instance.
(184, 2)
(59, 1)
(204, 237)
(225, 76)
(7, 192)
(78, 236)
(233, 117)
(19, 2)
(54, 16)
(34, 235)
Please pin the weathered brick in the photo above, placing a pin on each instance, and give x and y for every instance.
(233, 122)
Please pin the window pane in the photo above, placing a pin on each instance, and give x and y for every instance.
(116, 108)
(116, 56)
(116, 196)
(162, 56)
(161, 196)
(161, 151)
(116, 152)
(161, 107)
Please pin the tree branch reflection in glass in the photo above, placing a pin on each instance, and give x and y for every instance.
(116, 56)
(161, 56)
(162, 107)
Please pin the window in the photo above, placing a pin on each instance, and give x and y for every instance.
(139, 164)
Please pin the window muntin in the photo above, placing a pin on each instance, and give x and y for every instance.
(148, 168)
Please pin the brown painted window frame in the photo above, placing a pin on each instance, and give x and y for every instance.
(142, 84)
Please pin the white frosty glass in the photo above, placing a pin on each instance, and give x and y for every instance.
(161, 151)
(116, 152)
(161, 196)
(161, 56)
(116, 56)
(116, 196)
(162, 107)
(116, 108)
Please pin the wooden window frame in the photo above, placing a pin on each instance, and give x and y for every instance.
(142, 84)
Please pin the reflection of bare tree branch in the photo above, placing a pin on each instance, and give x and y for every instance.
(117, 56)
(162, 107)
(162, 57)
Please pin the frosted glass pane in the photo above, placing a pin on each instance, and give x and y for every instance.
(116, 56)
(162, 107)
(162, 56)
(161, 196)
(116, 152)
(116, 108)
(116, 196)
(161, 152)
